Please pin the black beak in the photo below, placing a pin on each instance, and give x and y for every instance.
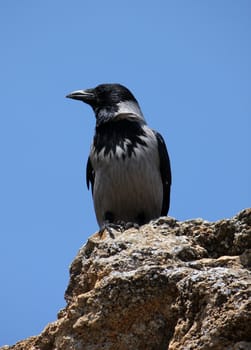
(86, 96)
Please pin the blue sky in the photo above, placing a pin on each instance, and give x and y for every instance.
(188, 64)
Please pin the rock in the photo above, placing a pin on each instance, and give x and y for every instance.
(169, 285)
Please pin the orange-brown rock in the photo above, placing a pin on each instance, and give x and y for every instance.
(169, 285)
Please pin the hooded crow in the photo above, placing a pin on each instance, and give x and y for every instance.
(128, 166)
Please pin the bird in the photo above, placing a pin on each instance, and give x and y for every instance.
(128, 167)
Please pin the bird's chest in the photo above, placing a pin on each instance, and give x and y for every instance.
(121, 162)
(126, 168)
(123, 154)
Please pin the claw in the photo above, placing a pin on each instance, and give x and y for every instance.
(120, 226)
(109, 227)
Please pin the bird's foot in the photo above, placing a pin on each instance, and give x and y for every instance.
(120, 226)
(109, 227)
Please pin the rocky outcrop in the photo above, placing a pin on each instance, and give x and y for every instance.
(169, 285)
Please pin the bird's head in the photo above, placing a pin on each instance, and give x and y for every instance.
(110, 102)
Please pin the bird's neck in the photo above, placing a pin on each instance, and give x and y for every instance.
(129, 110)
(124, 110)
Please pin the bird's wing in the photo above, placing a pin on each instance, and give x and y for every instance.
(90, 175)
(165, 171)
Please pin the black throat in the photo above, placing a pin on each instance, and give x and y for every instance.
(111, 134)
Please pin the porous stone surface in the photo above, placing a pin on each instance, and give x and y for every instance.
(169, 285)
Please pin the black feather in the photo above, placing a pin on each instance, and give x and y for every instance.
(165, 171)
(90, 175)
